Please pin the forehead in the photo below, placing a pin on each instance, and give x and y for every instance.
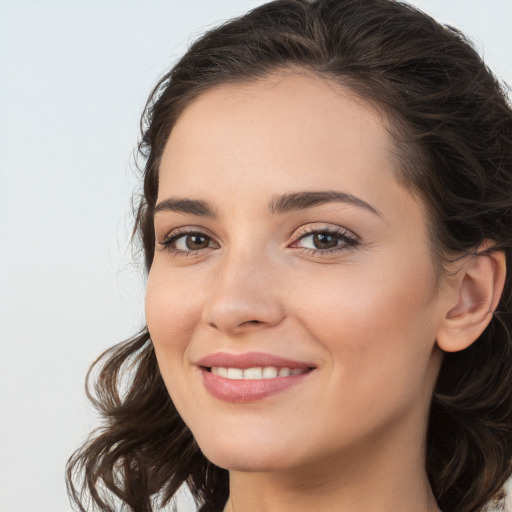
(284, 122)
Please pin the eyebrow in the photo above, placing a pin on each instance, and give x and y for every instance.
(183, 205)
(302, 200)
(279, 204)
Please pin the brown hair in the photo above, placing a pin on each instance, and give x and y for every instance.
(452, 126)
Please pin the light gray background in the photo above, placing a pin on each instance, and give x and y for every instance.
(74, 76)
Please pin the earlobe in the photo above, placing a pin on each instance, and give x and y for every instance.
(478, 290)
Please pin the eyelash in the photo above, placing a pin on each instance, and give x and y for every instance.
(348, 241)
(167, 242)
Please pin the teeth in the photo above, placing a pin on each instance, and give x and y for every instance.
(270, 372)
(253, 373)
(218, 370)
(235, 373)
(256, 373)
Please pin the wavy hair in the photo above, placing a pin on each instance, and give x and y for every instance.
(452, 126)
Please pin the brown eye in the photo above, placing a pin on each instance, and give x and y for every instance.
(325, 241)
(195, 242)
(191, 242)
(185, 243)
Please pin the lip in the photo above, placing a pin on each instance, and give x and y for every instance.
(250, 360)
(249, 390)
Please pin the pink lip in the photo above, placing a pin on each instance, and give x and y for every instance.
(249, 360)
(248, 390)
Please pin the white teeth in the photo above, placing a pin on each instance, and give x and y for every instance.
(253, 373)
(235, 373)
(256, 373)
(269, 372)
(284, 372)
(219, 370)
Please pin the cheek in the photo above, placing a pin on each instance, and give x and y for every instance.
(378, 335)
(171, 315)
(372, 318)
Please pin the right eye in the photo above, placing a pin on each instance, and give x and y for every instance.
(185, 243)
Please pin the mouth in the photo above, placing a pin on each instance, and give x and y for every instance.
(250, 377)
(255, 373)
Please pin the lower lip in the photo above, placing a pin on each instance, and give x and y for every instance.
(248, 390)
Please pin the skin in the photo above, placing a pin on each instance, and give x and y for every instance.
(350, 436)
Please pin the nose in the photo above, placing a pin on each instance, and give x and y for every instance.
(245, 295)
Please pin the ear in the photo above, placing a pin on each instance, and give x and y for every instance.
(475, 296)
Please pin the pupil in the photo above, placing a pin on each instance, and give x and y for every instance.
(197, 242)
(323, 241)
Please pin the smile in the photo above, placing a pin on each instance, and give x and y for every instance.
(250, 376)
(256, 373)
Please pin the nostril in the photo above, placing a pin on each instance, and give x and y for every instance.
(242, 324)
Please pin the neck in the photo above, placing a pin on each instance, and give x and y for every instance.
(383, 477)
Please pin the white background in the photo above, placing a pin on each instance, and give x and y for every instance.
(74, 76)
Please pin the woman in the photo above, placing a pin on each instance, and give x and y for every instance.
(326, 223)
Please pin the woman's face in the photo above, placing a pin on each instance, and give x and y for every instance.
(284, 240)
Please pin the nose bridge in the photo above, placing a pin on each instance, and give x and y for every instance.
(244, 291)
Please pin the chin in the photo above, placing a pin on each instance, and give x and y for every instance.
(245, 463)
(249, 455)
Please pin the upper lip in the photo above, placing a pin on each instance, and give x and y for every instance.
(249, 360)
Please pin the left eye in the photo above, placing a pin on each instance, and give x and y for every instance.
(325, 241)
(321, 241)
